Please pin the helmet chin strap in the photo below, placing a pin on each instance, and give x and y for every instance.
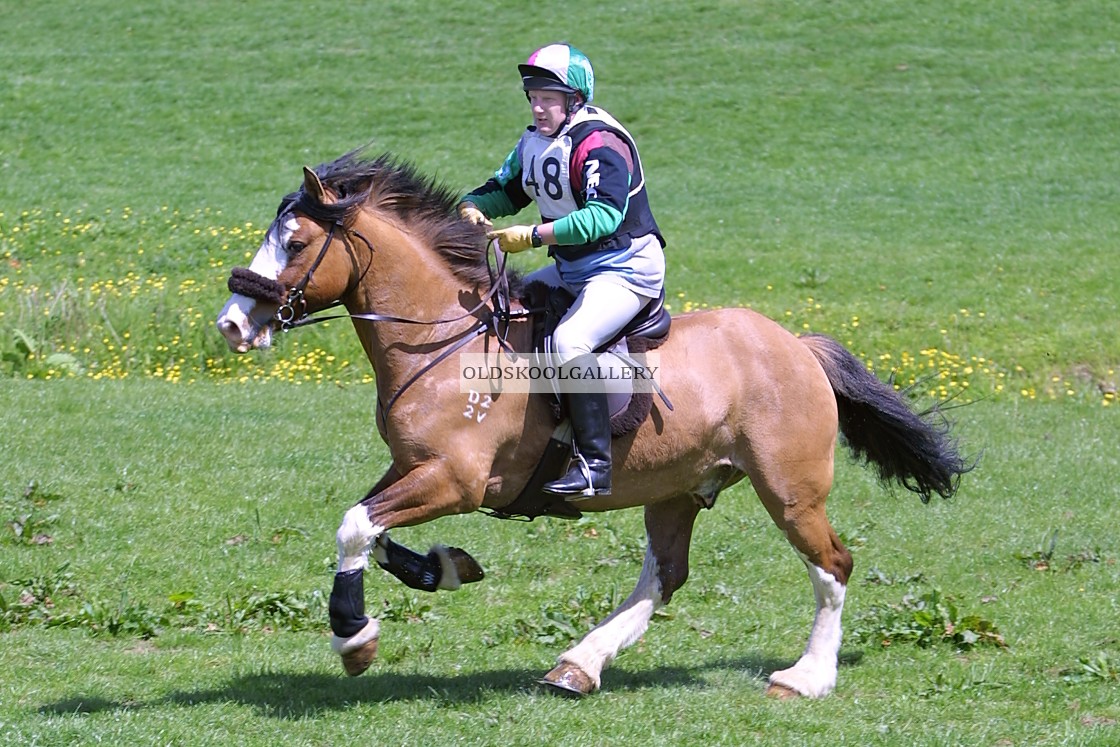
(575, 103)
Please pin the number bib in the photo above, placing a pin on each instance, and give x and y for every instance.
(545, 162)
(544, 174)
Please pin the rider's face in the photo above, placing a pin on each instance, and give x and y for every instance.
(550, 109)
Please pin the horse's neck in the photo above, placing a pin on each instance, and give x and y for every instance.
(409, 281)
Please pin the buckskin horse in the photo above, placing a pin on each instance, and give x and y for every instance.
(751, 401)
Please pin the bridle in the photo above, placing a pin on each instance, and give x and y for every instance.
(287, 315)
(292, 312)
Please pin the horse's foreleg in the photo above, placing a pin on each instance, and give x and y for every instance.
(354, 635)
(665, 569)
(443, 567)
(421, 495)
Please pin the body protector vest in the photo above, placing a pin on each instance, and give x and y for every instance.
(546, 164)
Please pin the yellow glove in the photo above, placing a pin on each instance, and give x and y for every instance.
(473, 215)
(513, 239)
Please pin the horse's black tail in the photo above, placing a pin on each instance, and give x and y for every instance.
(880, 428)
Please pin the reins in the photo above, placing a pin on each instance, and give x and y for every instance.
(306, 319)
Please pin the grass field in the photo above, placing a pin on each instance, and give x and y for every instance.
(935, 185)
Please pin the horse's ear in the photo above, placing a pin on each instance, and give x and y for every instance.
(314, 187)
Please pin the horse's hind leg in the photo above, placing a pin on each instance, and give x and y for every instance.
(665, 569)
(830, 565)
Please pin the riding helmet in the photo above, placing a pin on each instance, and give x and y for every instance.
(559, 67)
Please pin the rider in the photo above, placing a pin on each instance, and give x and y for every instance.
(582, 169)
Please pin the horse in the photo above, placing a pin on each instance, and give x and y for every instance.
(752, 400)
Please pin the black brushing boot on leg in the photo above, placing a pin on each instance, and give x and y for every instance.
(590, 473)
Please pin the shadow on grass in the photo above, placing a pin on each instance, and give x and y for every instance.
(295, 695)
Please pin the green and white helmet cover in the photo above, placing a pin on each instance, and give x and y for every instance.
(559, 67)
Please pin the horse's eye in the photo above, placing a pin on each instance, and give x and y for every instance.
(295, 247)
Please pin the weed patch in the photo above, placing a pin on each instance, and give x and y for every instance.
(1046, 558)
(975, 682)
(55, 600)
(560, 622)
(29, 518)
(1099, 667)
(924, 619)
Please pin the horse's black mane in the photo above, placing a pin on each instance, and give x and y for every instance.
(393, 185)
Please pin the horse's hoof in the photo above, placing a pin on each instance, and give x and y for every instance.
(467, 567)
(781, 692)
(359, 650)
(359, 660)
(568, 680)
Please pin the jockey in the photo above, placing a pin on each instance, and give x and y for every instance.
(582, 169)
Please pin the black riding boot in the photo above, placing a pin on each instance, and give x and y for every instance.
(590, 473)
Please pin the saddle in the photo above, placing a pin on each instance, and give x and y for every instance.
(646, 331)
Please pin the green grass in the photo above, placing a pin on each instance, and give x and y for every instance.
(930, 184)
(165, 489)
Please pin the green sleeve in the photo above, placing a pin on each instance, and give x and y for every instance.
(588, 224)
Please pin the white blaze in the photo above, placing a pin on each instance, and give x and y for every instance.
(235, 321)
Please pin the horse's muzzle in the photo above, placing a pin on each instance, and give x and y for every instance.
(241, 329)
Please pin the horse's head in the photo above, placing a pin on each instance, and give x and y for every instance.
(305, 264)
